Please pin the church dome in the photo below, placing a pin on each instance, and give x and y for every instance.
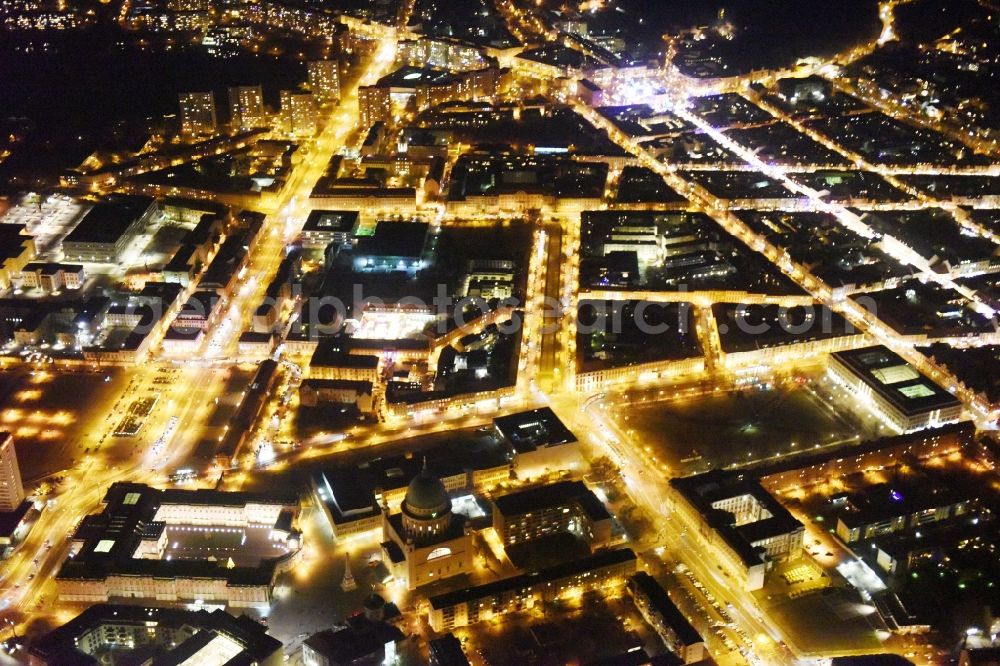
(426, 496)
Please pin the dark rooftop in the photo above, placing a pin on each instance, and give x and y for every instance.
(600, 560)
(552, 495)
(896, 380)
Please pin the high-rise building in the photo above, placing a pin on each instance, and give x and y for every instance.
(324, 81)
(246, 107)
(298, 113)
(197, 113)
(11, 490)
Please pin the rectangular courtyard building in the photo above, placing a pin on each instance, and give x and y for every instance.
(747, 529)
(566, 506)
(181, 636)
(138, 547)
(896, 391)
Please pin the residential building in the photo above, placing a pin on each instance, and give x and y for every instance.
(246, 108)
(197, 111)
(666, 619)
(299, 117)
(606, 569)
(565, 506)
(324, 81)
(11, 489)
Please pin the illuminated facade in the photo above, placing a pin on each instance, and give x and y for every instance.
(666, 619)
(124, 550)
(324, 81)
(566, 506)
(747, 529)
(895, 391)
(298, 114)
(607, 569)
(11, 489)
(426, 542)
(197, 110)
(246, 108)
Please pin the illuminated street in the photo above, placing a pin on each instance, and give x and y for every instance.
(499, 332)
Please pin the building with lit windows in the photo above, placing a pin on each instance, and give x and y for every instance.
(246, 108)
(418, 88)
(894, 390)
(747, 529)
(135, 548)
(440, 54)
(352, 497)
(566, 506)
(109, 229)
(181, 636)
(51, 277)
(299, 117)
(538, 442)
(324, 81)
(11, 489)
(666, 619)
(189, 5)
(606, 569)
(325, 227)
(889, 508)
(17, 249)
(426, 541)
(197, 110)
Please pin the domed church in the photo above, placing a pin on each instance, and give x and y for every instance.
(425, 541)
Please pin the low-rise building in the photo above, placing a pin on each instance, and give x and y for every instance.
(181, 636)
(357, 641)
(748, 529)
(896, 391)
(16, 250)
(124, 551)
(666, 619)
(566, 506)
(888, 508)
(539, 441)
(109, 228)
(337, 391)
(609, 568)
(325, 227)
(51, 277)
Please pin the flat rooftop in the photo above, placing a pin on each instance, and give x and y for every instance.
(895, 380)
(395, 239)
(550, 496)
(331, 220)
(411, 77)
(702, 491)
(661, 603)
(106, 222)
(601, 560)
(533, 429)
(250, 637)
